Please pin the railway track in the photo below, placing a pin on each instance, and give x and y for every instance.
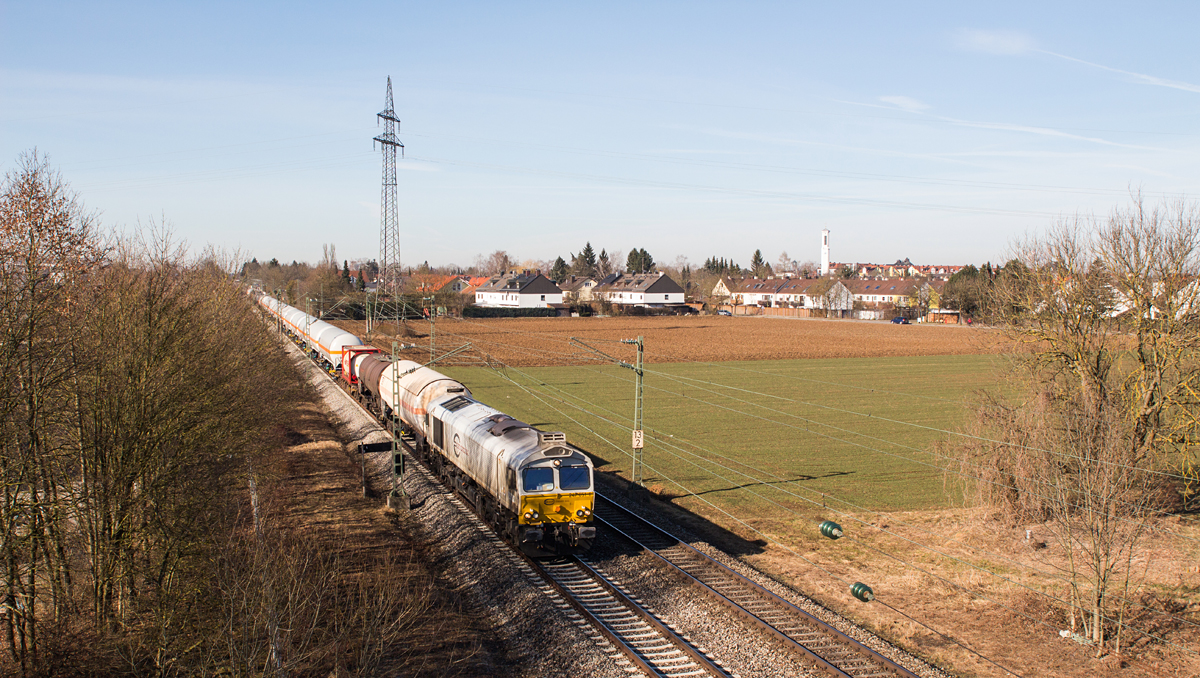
(648, 643)
(830, 650)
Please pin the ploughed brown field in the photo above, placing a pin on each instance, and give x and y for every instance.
(529, 342)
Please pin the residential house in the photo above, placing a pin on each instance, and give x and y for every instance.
(432, 283)
(577, 289)
(810, 293)
(640, 289)
(518, 289)
(876, 293)
(723, 290)
(756, 291)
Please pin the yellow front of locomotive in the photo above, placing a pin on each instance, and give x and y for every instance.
(556, 499)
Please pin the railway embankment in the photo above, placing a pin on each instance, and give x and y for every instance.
(525, 630)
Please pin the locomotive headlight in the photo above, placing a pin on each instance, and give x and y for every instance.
(557, 463)
(584, 512)
(580, 513)
(528, 515)
(535, 515)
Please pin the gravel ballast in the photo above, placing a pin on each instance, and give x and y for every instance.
(543, 635)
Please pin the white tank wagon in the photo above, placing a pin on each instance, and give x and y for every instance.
(530, 485)
(318, 336)
(403, 387)
(527, 483)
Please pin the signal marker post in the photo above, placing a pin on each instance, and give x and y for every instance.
(638, 435)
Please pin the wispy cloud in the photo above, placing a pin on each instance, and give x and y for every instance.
(1012, 43)
(1139, 77)
(905, 103)
(917, 108)
(1041, 131)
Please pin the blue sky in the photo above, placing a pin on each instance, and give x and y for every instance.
(934, 131)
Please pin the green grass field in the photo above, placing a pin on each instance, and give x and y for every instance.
(804, 427)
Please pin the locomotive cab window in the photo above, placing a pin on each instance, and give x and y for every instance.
(538, 479)
(574, 478)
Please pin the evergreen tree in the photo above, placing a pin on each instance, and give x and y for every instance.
(585, 263)
(633, 263)
(603, 265)
(362, 282)
(346, 271)
(639, 261)
(559, 271)
(758, 266)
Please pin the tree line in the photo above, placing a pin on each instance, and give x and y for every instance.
(142, 395)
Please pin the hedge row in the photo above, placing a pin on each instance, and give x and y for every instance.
(487, 312)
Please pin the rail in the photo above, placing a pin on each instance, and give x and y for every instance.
(830, 650)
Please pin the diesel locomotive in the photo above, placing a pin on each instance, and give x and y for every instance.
(530, 485)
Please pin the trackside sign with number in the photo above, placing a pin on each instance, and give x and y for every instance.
(637, 439)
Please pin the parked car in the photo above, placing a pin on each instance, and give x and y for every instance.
(899, 320)
(723, 312)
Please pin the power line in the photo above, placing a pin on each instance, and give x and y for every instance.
(921, 426)
(841, 513)
(865, 544)
(866, 447)
(771, 539)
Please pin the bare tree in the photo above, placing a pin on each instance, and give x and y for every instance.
(1105, 423)
(46, 247)
(496, 263)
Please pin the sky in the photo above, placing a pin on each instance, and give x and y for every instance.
(938, 132)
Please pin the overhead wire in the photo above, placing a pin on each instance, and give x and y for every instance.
(942, 469)
(892, 443)
(717, 364)
(920, 426)
(894, 421)
(770, 538)
(855, 518)
(840, 500)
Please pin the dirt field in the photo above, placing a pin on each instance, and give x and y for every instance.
(528, 342)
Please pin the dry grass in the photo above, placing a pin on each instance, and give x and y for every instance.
(316, 494)
(967, 593)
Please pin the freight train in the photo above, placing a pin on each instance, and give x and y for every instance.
(530, 485)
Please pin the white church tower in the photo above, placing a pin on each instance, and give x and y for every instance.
(825, 252)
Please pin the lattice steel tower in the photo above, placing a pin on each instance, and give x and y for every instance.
(389, 224)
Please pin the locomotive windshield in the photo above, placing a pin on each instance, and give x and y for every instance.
(573, 478)
(538, 479)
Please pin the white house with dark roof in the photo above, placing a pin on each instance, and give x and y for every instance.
(518, 289)
(640, 289)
